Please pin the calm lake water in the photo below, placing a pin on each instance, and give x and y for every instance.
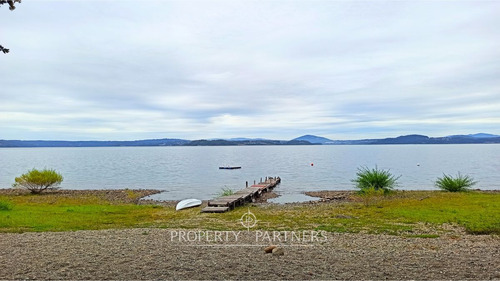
(192, 172)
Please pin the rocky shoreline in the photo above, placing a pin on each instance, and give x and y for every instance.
(132, 196)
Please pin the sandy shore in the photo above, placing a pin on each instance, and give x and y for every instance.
(154, 254)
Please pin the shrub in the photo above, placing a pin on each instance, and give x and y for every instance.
(375, 180)
(458, 184)
(37, 181)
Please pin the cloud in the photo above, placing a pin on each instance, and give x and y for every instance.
(188, 69)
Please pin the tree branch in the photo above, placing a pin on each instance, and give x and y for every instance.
(4, 50)
(10, 2)
(12, 7)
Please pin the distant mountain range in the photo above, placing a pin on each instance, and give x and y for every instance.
(409, 139)
(303, 140)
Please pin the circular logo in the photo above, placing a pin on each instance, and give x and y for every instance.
(248, 220)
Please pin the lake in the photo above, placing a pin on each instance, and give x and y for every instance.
(192, 172)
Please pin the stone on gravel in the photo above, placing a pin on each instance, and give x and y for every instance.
(269, 249)
(278, 252)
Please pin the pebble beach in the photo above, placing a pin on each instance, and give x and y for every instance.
(146, 254)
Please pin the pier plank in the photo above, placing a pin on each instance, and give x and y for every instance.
(240, 197)
(215, 209)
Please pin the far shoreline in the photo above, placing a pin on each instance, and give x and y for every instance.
(138, 196)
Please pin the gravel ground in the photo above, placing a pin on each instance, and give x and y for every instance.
(153, 254)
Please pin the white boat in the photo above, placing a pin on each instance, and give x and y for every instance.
(187, 203)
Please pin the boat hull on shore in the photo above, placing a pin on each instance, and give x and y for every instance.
(187, 203)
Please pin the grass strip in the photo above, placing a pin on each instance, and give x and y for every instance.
(423, 214)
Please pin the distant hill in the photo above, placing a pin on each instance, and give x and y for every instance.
(314, 139)
(43, 143)
(421, 139)
(222, 142)
(303, 140)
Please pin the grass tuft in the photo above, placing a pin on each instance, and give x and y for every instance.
(225, 192)
(460, 183)
(375, 180)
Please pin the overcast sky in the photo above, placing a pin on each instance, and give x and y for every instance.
(119, 70)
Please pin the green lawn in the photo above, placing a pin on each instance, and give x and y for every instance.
(410, 213)
(51, 213)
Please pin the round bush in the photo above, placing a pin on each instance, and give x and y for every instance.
(37, 181)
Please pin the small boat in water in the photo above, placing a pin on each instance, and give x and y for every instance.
(187, 203)
(229, 168)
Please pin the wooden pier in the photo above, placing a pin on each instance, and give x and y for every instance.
(241, 197)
